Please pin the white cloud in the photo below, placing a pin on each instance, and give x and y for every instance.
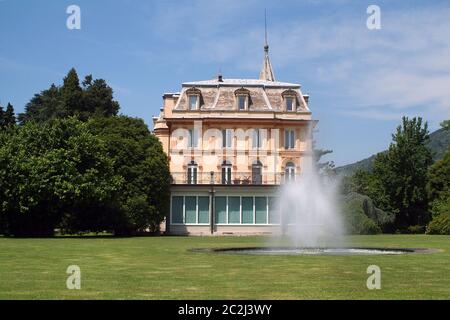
(404, 68)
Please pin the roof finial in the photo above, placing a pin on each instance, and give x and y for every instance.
(219, 75)
(266, 72)
(266, 47)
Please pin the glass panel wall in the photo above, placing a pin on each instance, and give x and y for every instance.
(234, 209)
(177, 210)
(228, 210)
(190, 207)
(247, 209)
(203, 209)
(261, 209)
(274, 213)
(221, 209)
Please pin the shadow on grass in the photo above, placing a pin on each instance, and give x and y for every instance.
(86, 236)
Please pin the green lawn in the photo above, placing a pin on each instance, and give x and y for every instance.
(164, 268)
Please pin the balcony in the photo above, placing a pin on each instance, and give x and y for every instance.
(235, 178)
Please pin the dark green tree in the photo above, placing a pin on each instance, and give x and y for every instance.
(138, 158)
(1, 116)
(72, 94)
(399, 179)
(439, 185)
(9, 117)
(94, 97)
(44, 106)
(401, 173)
(98, 98)
(439, 177)
(50, 173)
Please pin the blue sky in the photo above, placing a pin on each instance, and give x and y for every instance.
(361, 82)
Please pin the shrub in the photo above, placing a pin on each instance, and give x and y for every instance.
(418, 229)
(370, 227)
(441, 205)
(356, 219)
(440, 225)
(363, 217)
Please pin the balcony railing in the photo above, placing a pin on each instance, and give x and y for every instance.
(236, 178)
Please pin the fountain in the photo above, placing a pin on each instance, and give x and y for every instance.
(311, 220)
(310, 214)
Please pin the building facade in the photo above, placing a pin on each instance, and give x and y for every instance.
(231, 143)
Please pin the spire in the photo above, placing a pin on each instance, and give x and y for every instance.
(266, 71)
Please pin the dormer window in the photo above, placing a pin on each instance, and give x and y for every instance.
(242, 99)
(290, 100)
(193, 98)
(289, 103)
(193, 102)
(242, 102)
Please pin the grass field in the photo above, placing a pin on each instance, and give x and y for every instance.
(164, 268)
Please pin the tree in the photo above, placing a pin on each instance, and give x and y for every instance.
(98, 97)
(140, 160)
(44, 106)
(438, 186)
(398, 181)
(439, 177)
(9, 118)
(2, 113)
(445, 124)
(54, 172)
(94, 97)
(72, 94)
(401, 173)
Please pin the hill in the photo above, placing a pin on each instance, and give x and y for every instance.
(439, 143)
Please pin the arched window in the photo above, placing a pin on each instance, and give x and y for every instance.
(192, 173)
(226, 172)
(257, 172)
(289, 172)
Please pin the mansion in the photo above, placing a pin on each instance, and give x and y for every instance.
(231, 143)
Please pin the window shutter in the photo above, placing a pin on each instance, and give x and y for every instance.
(189, 175)
(223, 175)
